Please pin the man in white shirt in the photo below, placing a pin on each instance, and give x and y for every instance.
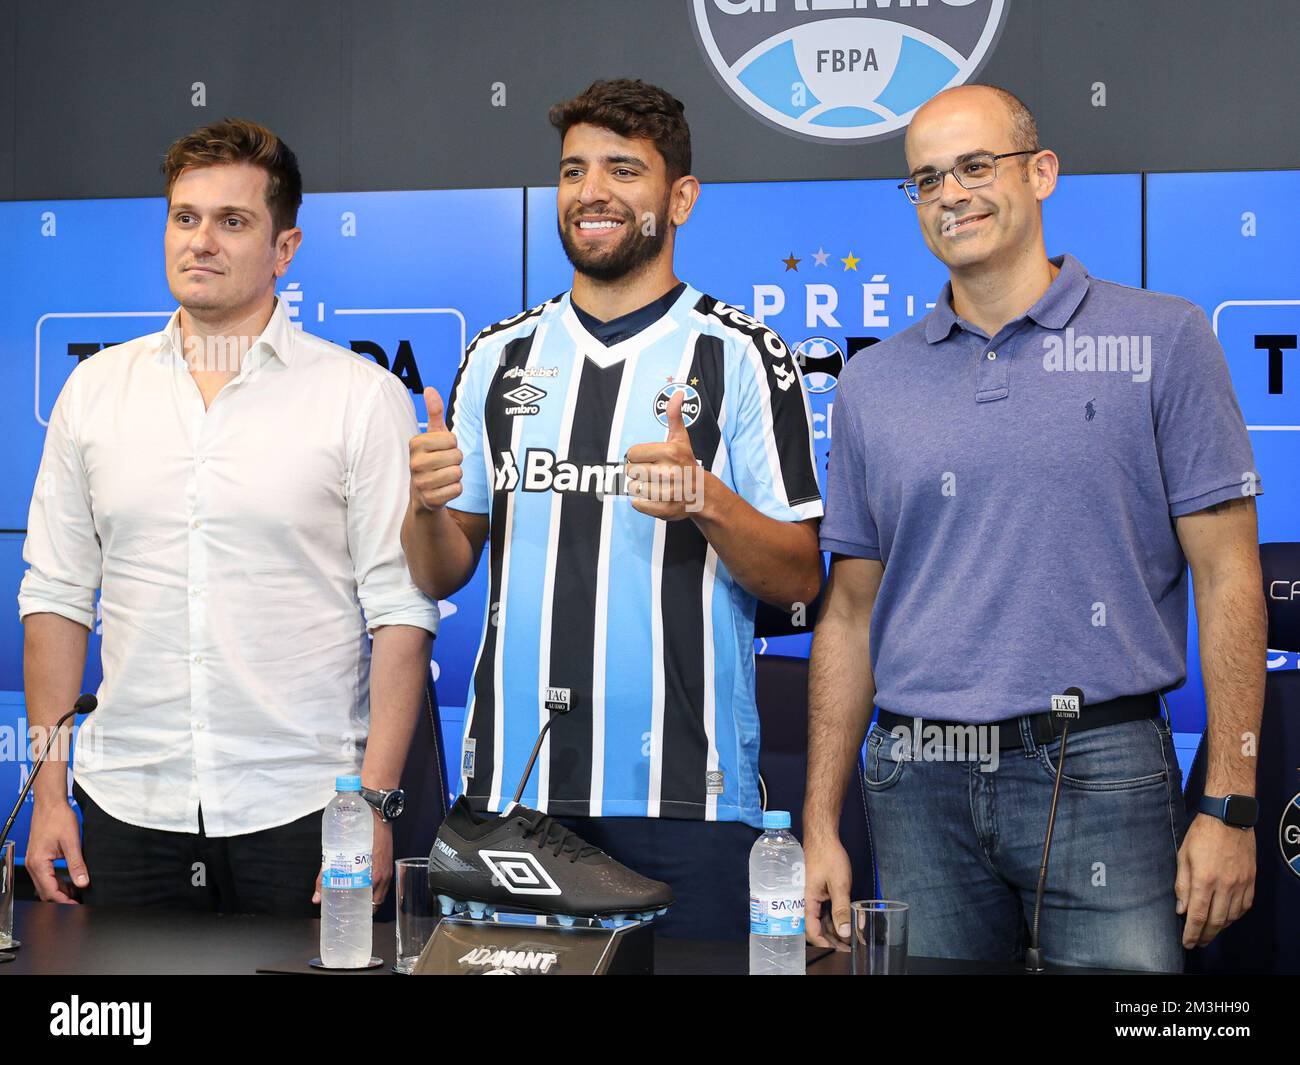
(235, 487)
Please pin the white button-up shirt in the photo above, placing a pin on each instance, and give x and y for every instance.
(243, 552)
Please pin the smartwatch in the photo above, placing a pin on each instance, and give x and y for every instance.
(1239, 811)
(390, 804)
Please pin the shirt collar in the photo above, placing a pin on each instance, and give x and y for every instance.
(275, 340)
(628, 325)
(1052, 311)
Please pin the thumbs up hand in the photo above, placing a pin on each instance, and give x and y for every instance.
(664, 479)
(433, 403)
(435, 459)
(676, 426)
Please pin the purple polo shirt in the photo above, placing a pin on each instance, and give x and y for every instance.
(1021, 491)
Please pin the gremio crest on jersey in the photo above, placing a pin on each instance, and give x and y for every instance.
(690, 403)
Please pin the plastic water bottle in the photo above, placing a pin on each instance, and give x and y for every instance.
(347, 839)
(776, 900)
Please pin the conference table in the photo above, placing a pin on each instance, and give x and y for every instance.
(103, 941)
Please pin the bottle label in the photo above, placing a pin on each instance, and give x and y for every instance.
(776, 915)
(341, 869)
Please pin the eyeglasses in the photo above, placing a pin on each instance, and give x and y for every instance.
(971, 173)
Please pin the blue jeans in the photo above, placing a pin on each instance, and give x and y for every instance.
(962, 846)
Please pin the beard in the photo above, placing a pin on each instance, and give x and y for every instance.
(633, 251)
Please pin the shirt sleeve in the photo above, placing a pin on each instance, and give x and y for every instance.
(1201, 438)
(848, 528)
(770, 441)
(62, 548)
(378, 493)
(465, 418)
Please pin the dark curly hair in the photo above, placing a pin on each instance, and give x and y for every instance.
(631, 108)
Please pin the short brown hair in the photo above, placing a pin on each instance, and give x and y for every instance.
(236, 140)
(631, 108)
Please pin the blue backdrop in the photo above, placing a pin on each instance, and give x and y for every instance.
(402, 278)
(1227, 242)
(405, 278)
(789, 252)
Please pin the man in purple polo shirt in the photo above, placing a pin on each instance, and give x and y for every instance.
(1017, 485)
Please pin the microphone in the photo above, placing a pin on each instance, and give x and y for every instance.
(1067, 707)
(85, 704)
(558, 701)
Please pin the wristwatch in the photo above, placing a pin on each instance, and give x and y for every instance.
(390, 804)
(1239, 811)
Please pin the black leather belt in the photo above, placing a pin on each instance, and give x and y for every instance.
(1045, 727)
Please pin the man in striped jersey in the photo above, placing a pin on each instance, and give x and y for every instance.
(640, 457)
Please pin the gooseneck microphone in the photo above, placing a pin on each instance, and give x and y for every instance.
(1067, 707)
(557, 703)
(84, 705)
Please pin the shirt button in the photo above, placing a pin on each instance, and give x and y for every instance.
(200, 725)
(195, 592)
(992, 355)
(195, 523)
(198, 660)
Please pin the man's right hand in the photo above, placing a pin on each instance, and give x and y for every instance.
(435, 459)
(828, 877)
(55, 834)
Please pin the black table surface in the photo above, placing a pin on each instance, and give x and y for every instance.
(103, 941)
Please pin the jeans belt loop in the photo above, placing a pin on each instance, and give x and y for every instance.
(1044, 733)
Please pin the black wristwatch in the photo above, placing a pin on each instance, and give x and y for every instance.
(390, 804)
(1239, 811)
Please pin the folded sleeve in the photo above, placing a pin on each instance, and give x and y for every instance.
(378, 493)
(62, 549)
(1204, 448)
(770, 438)
(848, 528)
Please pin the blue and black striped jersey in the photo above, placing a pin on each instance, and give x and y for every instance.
(632, 622)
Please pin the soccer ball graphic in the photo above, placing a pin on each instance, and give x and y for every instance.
(821, 361)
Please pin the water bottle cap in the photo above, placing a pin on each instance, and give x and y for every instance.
(349, 783)
(776, 819)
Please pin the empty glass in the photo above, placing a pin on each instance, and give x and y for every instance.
(879, 937)
(7, 940)
(417, 911)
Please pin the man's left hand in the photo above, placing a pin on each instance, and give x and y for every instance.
(381, 860)
(1216, 878)
(663, 479)
(381, 863)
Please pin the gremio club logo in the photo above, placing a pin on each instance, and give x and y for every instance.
(1288, 835)
(690, 403)
(844, 71)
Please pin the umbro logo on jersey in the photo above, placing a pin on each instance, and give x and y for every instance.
(784, 376)
(543, 472)
(519, 873)
(522, 400)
